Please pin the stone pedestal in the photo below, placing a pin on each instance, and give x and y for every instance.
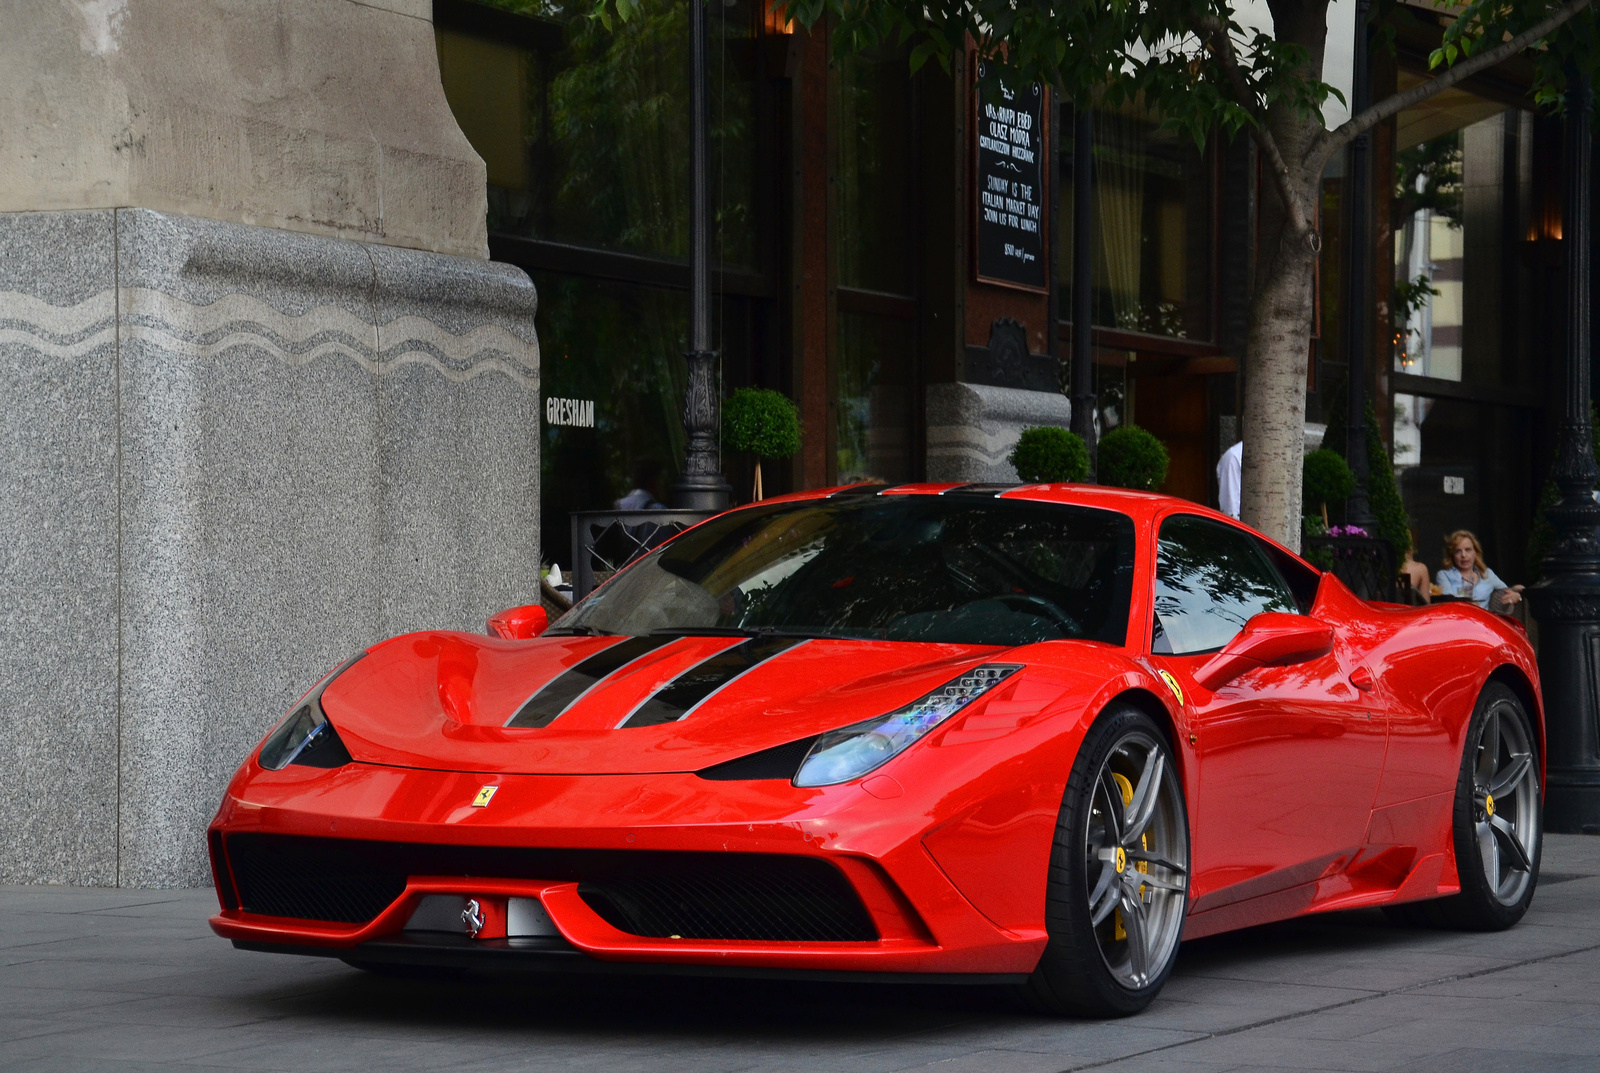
(233, 455)
(972, 428)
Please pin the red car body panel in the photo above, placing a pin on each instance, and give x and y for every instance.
(1323, 784)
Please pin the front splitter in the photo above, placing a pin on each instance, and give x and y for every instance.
(557, 956)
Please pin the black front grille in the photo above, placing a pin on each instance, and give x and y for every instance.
(309, 879)
(796, 899)
(648, 893)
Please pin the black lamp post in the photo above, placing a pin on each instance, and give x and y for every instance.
(1083, 395)
(1567, 601)
(1358, 511)
(702, 486)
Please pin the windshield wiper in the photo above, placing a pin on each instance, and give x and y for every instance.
(580, 631)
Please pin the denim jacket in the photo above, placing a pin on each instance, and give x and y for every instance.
(1449, 582)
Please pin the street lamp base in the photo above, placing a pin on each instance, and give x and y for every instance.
(710, 494)
(1572, 803)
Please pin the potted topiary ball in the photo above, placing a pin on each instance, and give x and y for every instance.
(1046, 454)
(1130, 457)
(761, 422)
(1327, 479)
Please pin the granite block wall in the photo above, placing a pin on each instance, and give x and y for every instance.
(236, 455)
(973, 427)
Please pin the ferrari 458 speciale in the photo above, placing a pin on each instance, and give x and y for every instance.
(1030, 736)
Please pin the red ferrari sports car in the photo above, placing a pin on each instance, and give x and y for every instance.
(1027, 735)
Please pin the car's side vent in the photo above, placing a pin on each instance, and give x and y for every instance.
(778, 762)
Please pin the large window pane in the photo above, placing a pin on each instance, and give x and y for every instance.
(1463, 172)
(620, 347)
(585, 129)
(1152, 227)
(873, 178)
(873, 398)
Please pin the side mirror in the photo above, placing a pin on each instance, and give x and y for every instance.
(519, 623)
(1270, 639)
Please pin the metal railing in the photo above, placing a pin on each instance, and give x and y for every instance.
(1365, 564)
(604, 541)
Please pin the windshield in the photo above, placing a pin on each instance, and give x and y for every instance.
(951, 568)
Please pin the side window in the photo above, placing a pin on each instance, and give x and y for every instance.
(1210, 580)
(1302, 580)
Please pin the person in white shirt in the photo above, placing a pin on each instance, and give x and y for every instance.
(1229, 469)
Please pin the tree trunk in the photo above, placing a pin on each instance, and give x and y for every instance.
(1274, 417)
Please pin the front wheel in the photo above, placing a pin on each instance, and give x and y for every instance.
(1119, 874)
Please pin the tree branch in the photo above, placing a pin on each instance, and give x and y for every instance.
(1329, 142)
(1215, 35)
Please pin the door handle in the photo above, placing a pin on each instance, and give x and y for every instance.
(1361, 678)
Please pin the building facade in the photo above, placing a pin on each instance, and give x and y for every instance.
(850, 253)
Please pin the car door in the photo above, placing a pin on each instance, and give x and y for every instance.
(1288, 757)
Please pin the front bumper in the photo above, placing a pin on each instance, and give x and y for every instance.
(923, 923)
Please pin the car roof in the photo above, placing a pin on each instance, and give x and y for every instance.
(1143, 507)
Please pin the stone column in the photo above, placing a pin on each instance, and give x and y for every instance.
(268, 401)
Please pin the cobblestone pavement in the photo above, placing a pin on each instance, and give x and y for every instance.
(134, 980)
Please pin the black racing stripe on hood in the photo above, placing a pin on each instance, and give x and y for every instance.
(678, 697)
(562, 691)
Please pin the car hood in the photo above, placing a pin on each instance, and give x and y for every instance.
(443, 700)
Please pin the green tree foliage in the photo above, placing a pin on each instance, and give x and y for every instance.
(761, 422)
(1130, 457)
(1327, 479)
(1046, 453)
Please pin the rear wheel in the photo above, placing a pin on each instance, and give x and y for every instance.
(1119, 871)
(1497, 830)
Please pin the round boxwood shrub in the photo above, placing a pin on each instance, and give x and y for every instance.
(1328, 479)
(761, 422)
(1046, 453)
(1130, 457)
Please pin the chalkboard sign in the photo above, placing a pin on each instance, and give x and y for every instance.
(1009, 206)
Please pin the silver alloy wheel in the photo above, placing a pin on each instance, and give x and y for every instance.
(1137, 860)
(1505, 803)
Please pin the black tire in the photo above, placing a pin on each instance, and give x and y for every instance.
(1075, 975)
(1480, 906)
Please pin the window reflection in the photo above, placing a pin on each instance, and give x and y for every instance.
(874, 380)
(1210, 580)
(1152, 227)
(583, 128)
(1464, 168)
(873, 411)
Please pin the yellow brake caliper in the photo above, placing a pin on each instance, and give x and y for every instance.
(1118, 932)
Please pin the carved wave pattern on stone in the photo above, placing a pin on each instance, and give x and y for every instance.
(237, 320)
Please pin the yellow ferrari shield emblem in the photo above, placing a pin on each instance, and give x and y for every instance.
(1172, 684)
(485, 796)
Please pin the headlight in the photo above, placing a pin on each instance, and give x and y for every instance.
(305, 736)
(852, 751)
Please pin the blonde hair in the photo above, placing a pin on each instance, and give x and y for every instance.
(1455, 538)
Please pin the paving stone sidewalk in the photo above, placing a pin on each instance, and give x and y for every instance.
(134, 980)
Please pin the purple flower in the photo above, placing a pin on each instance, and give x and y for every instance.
(1347, 531)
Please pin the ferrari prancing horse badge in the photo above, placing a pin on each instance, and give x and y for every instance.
(485, 796)
(1172, 684)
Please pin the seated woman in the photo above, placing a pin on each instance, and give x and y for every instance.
(1414, 574)
(1466, 575)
